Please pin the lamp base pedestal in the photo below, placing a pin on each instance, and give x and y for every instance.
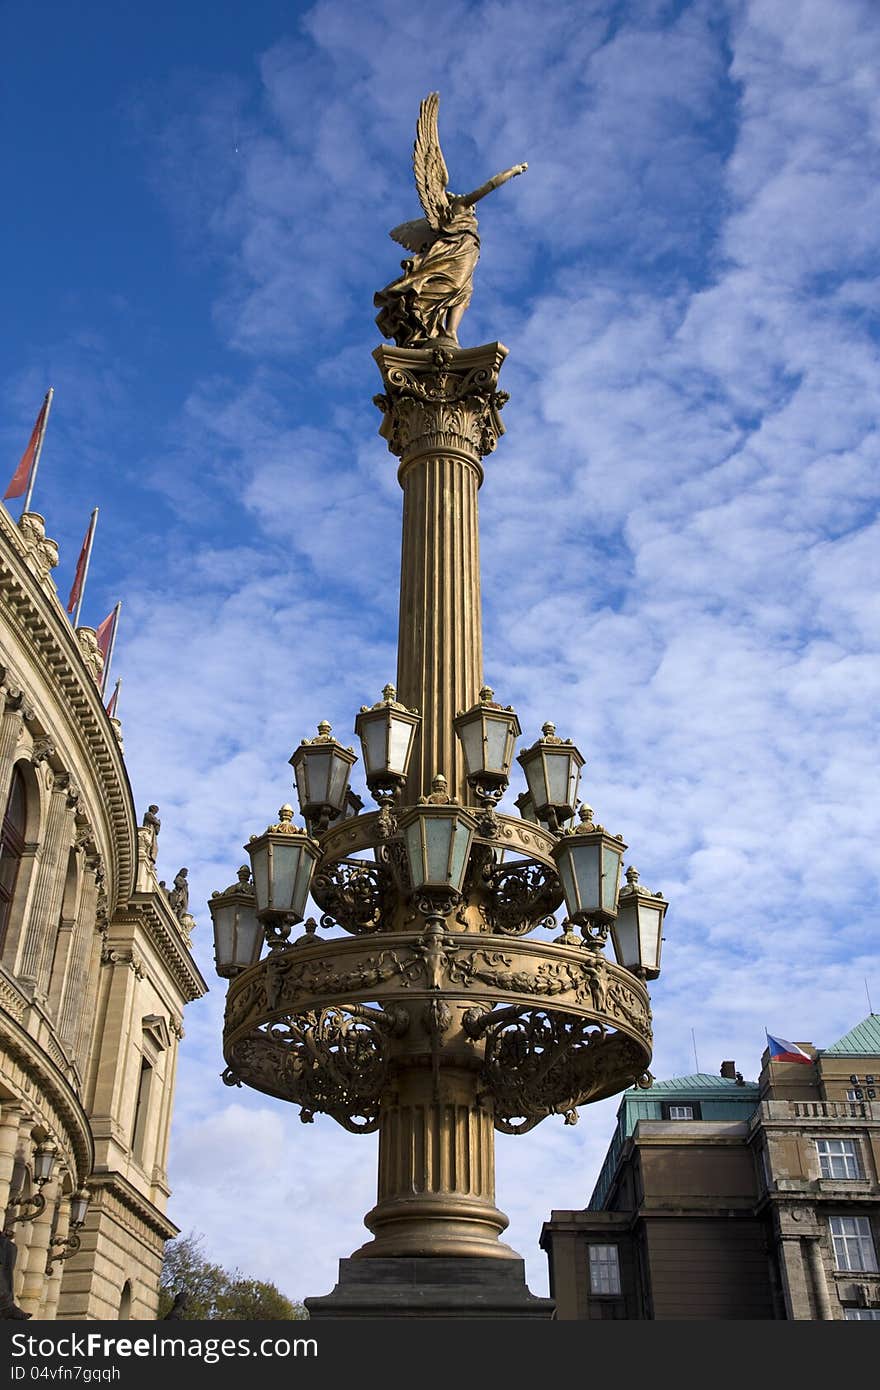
(431, 1287)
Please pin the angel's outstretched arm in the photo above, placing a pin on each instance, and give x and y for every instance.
(495, 182)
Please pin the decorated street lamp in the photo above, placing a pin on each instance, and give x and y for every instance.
(282, 860)
(488, 734)
(322, 768)
(238, 933)
(589, 860)
(387, 732)
(637, 932)
(444, 1005)
(552, 767)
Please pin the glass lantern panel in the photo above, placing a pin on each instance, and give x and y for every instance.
(649, 935)
(497, 739)
(79, 1207)
(558, 779)
(303, 883)
(415, 852)
(260, 868)
(249, 935)
(534, 770)
(401, 742)
(527, 810)
(626, 937)
(285, 862)
(574, 777)
(316, 768)
(339, 772)
(471, 736)
(438, 835)
(460, 847)
(373, 742)
(611, 862)
(569, 887)
(302, 782)
(224, 933)
(585, 861)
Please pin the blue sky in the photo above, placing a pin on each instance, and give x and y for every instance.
(679, 530)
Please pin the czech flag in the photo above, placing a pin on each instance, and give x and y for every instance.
(782, 1051)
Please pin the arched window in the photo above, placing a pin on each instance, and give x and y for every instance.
(125, 1302)
(11, 846)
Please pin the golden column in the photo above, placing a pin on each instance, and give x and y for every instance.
(440, 418)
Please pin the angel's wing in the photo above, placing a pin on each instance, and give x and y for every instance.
(429, 166)
(414, 235)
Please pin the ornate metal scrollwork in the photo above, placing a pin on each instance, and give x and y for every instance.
(539, 1063)
(354, 894)
(331, 1061)
(522, 896)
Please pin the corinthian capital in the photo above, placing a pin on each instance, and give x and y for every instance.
(441, 400)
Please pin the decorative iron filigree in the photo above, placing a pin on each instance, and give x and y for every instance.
(539, 1063)
(354, 894)
(331, 1061)
(522, 896)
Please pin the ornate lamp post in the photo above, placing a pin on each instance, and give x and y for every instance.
(448, 1007)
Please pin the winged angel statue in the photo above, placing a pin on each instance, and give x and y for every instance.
(428, 300)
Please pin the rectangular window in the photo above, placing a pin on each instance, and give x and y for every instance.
(838, 1158)
(604, 1269)
(853, 1246)
(855, 1094)
(681, 1112)
(862, 1314)
(141, 1110)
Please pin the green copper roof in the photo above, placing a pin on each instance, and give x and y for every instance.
(861, 1041)
(699, 1081)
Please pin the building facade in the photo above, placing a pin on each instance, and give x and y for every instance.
(95, 970)
(720, 1198)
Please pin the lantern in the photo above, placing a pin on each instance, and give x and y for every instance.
(322, 768)
(553, 768)
(79, 1206)
(387, 732)
(437, 836)
(238, 935)
(282, 859)
(588, 860)
(638, 931)
(487, 733)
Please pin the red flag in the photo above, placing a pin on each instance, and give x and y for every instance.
(112, 702)
(22, 474)
(82, 565)
(106, 635)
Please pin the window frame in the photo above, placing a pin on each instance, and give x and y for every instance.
(851, 1157)
(601, 1268)
(840, 1244)
(667, 1107)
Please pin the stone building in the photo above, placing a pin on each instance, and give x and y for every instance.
(95, 969)
(721, 1198)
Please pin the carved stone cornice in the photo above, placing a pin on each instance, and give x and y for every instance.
(40, 634)
(441, 400)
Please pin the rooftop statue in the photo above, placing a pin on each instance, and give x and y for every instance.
(427, 302)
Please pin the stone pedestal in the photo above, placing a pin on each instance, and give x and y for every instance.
(431, 1288)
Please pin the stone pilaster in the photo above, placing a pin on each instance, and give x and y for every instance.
(71, 1021)
(440, 418)
(11, 725)
(819, 1279)
(45, 910)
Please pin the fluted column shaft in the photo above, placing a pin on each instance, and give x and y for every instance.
(46, 904)
(440, 417)
(436, 1191)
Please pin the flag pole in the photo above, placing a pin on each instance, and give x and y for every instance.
(33, 478)
(85, 574)
(110, 648)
